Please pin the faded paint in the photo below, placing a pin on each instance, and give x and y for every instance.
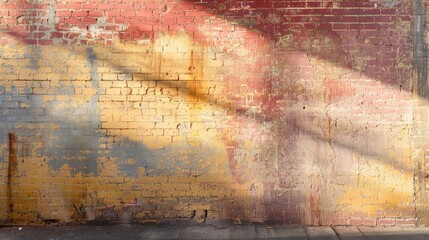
(243, 112)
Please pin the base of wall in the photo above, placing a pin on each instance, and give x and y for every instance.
(369, 222)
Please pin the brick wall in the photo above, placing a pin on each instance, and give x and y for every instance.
(294, 112)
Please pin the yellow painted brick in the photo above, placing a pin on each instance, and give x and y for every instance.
(172, 125)
(81, 84)
(134, 84)
(128, 132)
(126, 91)
(149, 115)
(152, 114)
(39, 91)
(105, 98)
(44, 69)
(186, 77)
(12, 76)
(89, 91)
(82, 76)
(48, 98)
(140, 76)
(106, 84)
(133, 98)
(127, 118)
(21, 83)
(119, 84)
(114, 124)
(141, 125)
(119, 98)
(62, 97)
(109, 77)
(113, 91)
(163, 111)
(171, 132)
(157, 132)
(170, 91)
(114, 132)
(144, 132)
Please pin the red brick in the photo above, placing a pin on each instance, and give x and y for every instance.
(73, 6)
(88, 20)
(406, 222)
(370, 221)
(356, 221)
(29, 41)
(89, 6)
(72, 20)
(113, 13)
(57, 34)
(8, 6)
(130, 13)
(45, 42)
(314, 4)
(105, 6)
(61, 6)
(340, 222)
(343, 26)
(8, 20)
(386, 221)
(96, 13)
(388, 11)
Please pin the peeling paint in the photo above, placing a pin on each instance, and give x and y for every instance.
(386, 3)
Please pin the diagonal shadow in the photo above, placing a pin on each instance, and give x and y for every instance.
(235, 109)
(232, 12)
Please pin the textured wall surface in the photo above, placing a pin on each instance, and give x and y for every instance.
(420, 133)
(293, 111)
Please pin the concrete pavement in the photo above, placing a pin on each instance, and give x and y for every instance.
(141, 232)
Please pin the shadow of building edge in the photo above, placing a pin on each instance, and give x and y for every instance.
(420, 93)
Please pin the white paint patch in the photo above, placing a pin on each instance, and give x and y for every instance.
(99, 30)
(385, 3)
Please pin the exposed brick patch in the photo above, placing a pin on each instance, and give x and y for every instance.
(386, 221)
(406, 222)
(369, 221)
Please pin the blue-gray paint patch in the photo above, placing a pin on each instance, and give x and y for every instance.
(131, 156)
(90, 54)
(28, 90)
(34, 58)
(79, 153)
(76, 142)
(10, 69)
(3, 142)
(9, 115)
(14, 90)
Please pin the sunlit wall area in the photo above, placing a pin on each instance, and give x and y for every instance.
(291, 112)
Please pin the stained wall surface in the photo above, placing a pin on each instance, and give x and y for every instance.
(293, 111)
